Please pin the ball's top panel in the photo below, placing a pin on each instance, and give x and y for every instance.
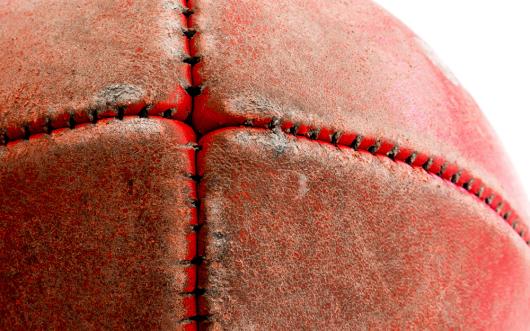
(67, 56)
(343, 65)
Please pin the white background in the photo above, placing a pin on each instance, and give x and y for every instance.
(486, 44)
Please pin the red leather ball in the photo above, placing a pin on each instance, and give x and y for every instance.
(250, 165)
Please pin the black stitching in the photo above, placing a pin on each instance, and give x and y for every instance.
(467, 185)
(144, 112)
(121, 112)
(191, 60)
(375, 147)
(168, 113)
(393, 153)
(193, 91)
(48, 125)
(248, 122)
(313, 134)
(189, 32)
(412, 157)
(335, 137)
(357, 142)
(442, 170)
(456, 177)
(428, 164)
(274, 123)
(187, 12)
(294, 129)
(71, 121)
(93, 116)
(480, 192)
(27, 132)
(4, 139)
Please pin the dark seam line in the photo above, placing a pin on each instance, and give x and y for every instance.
(471, 185)
(194, 90)
(430, 164)
(446, 171)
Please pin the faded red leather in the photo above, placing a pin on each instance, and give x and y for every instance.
(95, 225)
(98, 217)
(343, 65)
(70, 56)
(302, 235)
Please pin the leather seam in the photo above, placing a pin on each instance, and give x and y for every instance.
(200, 318)
(433, 165)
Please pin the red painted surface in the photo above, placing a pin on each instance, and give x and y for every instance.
(378, 196)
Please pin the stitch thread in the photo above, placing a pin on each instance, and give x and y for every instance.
(199, 319)
(458, 178)
(433, 165)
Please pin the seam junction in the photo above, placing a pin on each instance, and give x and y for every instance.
(200, 320)
(378, 146)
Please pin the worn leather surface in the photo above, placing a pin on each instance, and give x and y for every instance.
(95, 223)
(98, 221)
(303, 235)
(342, 65)
(68, 56)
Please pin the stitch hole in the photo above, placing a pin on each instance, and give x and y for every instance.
(375, 147)
(168, 113)
(393, 152)
(274, 123)
(442, 170)
(71, 121)
(507, 215)
(480, 192)
(468, 184)
(121, 112)
(187, 11)
(410, 160)
(197, 260)
(194, 203)
(248, 122)
(195, 178)
(489, 199)
(313, 134)
(335, 137)
(357, 142)
(428, 164)
(191, 60)
(144, 112)
(499, 207)
(193, 91)
(189, 33)
(456, 177)
(48, 125)
(27, 132)
(4, 139)
(294, 129)
(94, 116)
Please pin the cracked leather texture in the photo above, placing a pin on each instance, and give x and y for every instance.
(94, 223)
(303, 235)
